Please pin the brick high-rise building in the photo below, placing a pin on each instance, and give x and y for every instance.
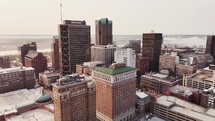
(23, 50)
(74, 99)
(210, 46)
(55, 53)
(151, 48)
(16, 78)
(115, 92)
(4, 62)
(36, 60)
(104, 32)
(74, 45)
(103, 53)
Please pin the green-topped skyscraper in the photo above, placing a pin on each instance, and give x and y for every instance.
(104, 34)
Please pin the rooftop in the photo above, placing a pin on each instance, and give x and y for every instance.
(104, 20)
(12, 100)
(161, 77)
(187, 108)
(141, 94)
(114, 71)
(186, 91)
(33, 115)
(15, 69)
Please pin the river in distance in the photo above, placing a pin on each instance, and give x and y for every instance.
(9, 43)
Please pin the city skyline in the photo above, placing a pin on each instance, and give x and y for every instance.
(166, 16)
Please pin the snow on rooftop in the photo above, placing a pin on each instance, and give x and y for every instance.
(141, 94)
(33, 115)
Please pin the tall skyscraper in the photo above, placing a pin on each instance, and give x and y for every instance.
(115, 92)
(23, 50)
(104, 32)
(210, 46)
(55, 53)
(74, 99)
(74, 45)
(151, 48)
(103, 53)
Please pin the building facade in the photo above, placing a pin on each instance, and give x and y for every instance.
(4, 62)
(200, 80)
(103, 53)
(142, 102)
(104, 32)
(55, 53)
(36, 60)
(158, 82)
(151, 48)
(74, 99)
(126, 56)
(23, 50)
(74, 45)
(115, 92)
(16, 78)
(210, 46)
(135, 45)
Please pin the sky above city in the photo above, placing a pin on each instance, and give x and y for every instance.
(130, 17)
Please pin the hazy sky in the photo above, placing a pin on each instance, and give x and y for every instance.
(129, 16)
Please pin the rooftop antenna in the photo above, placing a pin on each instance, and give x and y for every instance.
(61, 13)
(153, 29)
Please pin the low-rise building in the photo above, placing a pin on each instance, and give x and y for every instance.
(203, 79)
(16, 78)
(174, 109)
(47, 78)
(158, 82)
(142, 102)
(4, 62)
(186, 93)
(208, 98)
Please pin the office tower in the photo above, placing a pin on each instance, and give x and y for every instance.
(36, 60)
(210, 46)
(4, 62)
(23, 50)
(74, 98)
(115, 92)
(135, 45)
(126, 56)
(104, 32)
(55, 53)
(151, 48)
(16, 78)
(103, 53)
(74, 45)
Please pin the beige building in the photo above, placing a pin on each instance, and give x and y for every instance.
(171, 108)
(200, 80)
(115, 92)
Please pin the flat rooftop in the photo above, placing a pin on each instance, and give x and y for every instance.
(161, 77)
(114, 71)
(187, 108)
(186, 91)
(10, 70)
(33, 115)
(12, 100)
(205, 75)
(141, 94)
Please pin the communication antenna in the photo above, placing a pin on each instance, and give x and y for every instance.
(153, 29)
(61, 13)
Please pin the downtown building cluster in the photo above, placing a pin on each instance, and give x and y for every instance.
(105, 82)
